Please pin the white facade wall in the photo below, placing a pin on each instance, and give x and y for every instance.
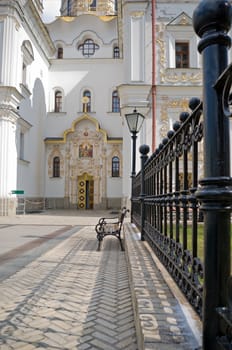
(23, 101)
(72, 75)
(32, 109)
(131, 75)
(70, 35)
(101, 77)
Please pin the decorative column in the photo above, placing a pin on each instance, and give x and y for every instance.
(9, 98)
(137, 45)
(9, 101)
(8, 45)
(212, 21)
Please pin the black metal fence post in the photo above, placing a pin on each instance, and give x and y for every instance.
(144, 150)
(212, 21)
(133, 172)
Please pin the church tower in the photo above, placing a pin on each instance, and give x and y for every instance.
(96, 7)
(83, 128)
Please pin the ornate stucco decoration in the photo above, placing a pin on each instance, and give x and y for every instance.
(175, 77)
(84, 151)
(179, 104)
(188, 76)
(63, 139)
(137, 14)
(102, 9)
(181, 20)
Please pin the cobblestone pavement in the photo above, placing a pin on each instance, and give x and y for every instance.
(165, 320)
(63, 294)
(71, 297)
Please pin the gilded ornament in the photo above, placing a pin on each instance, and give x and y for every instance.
(137, 14)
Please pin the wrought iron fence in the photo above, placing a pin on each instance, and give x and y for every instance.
(167, 206)
(135, 200)
(169, 201)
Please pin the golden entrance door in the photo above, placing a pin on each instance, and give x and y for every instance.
(85, 191)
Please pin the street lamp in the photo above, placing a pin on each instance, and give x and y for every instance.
(134, 121)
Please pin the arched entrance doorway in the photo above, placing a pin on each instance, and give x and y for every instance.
(85, 191)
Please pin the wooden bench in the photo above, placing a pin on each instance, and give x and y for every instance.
(111, 227)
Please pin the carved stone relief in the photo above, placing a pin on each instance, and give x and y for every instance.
(86, 152)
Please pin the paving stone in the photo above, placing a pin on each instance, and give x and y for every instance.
(69, 296)
(160, 321)
(73, 297)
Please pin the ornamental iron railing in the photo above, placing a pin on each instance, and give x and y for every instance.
(170, 209)
(170, 193)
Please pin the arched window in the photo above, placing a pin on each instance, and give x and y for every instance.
(56, 167)
(21, 145)
(115, 5)
(24, 74)
(93, 5)
(86, 101)
(115, 102)
(60, 52)
(58, 101)
(69, 8)
(115, 166)
(88, 48)
(116, 53)
(28, 58)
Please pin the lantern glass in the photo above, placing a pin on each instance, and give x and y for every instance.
(134, 121)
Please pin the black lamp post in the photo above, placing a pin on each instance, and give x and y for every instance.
(134, 121)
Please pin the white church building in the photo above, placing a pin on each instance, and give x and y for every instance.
(66, 85)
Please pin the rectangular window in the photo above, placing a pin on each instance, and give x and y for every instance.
(21, 146)
(182, 54)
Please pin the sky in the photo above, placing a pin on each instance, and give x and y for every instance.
(51, 10)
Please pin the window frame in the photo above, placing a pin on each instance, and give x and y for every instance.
(22, 145)
(115, 166)
(69, 8)
(27, 59)
(115, 102)
(178, 33)
(58, 101)
(182, 50)
(116, 52)
(56, 167)
(93, 5)
(87, 93)
(60, 53)
(88, 47)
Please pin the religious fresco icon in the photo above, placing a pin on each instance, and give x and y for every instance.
(85, 150)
